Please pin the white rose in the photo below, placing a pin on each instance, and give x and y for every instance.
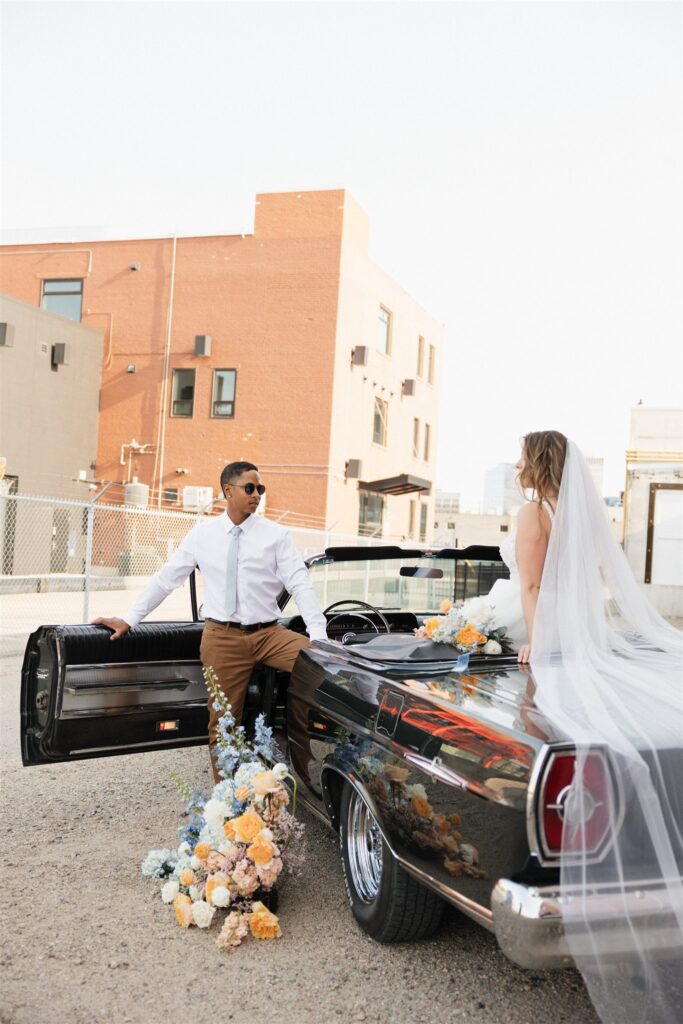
(195, 863)
(280, 771)
(225, 846)
(169, 891)
(184, 850)
(195, 892)
(492, 647)
(220, 897)
(215, 812)
(202, 914)
(267, 833)
(417, 790)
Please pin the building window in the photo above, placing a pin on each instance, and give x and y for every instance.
(171, 495)
(416, 439)
(65, 298)
(420, 356)
(450, 526)
(384, 331)
(431, 364)
(424, 508)
(183, 393)
(223, 394)
(503, 528)
(370, 514)
(379, 425)
(427, 440)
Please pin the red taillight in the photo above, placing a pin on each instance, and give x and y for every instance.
(595, 793)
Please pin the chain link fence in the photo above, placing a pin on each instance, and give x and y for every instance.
(65, 561)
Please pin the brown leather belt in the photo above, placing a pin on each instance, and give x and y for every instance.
(251, 628)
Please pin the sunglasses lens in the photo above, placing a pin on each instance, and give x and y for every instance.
(261, 488)
(249, 488)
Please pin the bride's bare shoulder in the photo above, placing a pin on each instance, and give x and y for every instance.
(531, 519)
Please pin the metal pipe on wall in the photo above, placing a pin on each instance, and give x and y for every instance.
(161, 432)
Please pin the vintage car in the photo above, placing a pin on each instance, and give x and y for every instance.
(441, 779)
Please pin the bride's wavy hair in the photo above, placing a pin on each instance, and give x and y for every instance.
(544, 452)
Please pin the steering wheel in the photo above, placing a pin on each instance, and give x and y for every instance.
(358, 615)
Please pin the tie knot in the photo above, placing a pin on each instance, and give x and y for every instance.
(236, 530)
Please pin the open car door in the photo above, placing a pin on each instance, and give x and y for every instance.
(83, 695)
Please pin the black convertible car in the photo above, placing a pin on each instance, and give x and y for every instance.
(442, 780)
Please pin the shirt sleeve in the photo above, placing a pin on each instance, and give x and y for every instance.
(294, 575)
(167, 579)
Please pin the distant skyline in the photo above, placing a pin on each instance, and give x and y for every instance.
(521, 164)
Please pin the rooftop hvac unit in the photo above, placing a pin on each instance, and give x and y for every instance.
(136, 494)
(197, 499)
(202, 344)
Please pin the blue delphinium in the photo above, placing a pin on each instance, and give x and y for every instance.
(263, 739)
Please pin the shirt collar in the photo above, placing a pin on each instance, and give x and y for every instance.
(245, 526)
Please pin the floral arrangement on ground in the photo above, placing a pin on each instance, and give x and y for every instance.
(236, 842)
(469, 626)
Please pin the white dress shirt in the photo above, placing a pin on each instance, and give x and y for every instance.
(267, 562)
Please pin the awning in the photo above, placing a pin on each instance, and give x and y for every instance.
(406, 483)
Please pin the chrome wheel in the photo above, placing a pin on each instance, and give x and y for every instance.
(364, 848)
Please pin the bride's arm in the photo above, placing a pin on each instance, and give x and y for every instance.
(532, 545)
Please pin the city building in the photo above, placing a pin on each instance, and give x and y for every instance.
(287, 347)
(462, 529)
(653, 506)
(502, 493)
(49, 397)
(446, 507)
(596, 464)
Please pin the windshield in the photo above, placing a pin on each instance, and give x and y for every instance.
(379, 582)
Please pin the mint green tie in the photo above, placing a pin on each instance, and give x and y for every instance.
(231, 572)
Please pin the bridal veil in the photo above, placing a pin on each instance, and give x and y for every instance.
(609, 676)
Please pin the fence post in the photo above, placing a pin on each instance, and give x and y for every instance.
(88, 548)
(88, 559)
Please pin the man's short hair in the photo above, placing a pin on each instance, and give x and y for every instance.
(235, 469)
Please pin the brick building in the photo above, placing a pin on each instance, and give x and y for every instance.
(287, 347)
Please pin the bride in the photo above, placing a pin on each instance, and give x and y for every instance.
(608, 675)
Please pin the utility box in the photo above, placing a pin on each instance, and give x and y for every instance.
(60, 354)
(409, 388)
(359, 355)
(354, 468)
(197, 499)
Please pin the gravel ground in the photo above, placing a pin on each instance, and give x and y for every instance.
(85, 940)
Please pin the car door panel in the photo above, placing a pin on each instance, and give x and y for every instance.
(84, 695)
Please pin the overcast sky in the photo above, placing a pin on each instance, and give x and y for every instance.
(521, 163)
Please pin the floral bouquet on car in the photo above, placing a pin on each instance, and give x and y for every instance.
(235, 842)
(469, 626)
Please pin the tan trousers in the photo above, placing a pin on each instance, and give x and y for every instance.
(233, 653)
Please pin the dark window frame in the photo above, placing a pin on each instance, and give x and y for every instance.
(80, 281)
(172, 412)
(214, 402)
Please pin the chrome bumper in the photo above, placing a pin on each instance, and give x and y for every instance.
(528, 923)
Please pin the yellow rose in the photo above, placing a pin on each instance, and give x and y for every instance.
(242, 794)
(468, 636)
(202, 850)
(421, 807)
(186, 876)
(214, 882)
(430, 625)
(445, 606)
(229, 829)
(263, 924)
(247, 826)
(261, 850)
(182, 905)
(264, 783)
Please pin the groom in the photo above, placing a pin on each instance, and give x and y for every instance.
(245, 561)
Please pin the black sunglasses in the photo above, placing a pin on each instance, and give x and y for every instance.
(250, 488)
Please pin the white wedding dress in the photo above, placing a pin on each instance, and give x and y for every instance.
(506, 595)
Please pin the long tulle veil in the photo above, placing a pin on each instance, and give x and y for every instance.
(609, 676)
